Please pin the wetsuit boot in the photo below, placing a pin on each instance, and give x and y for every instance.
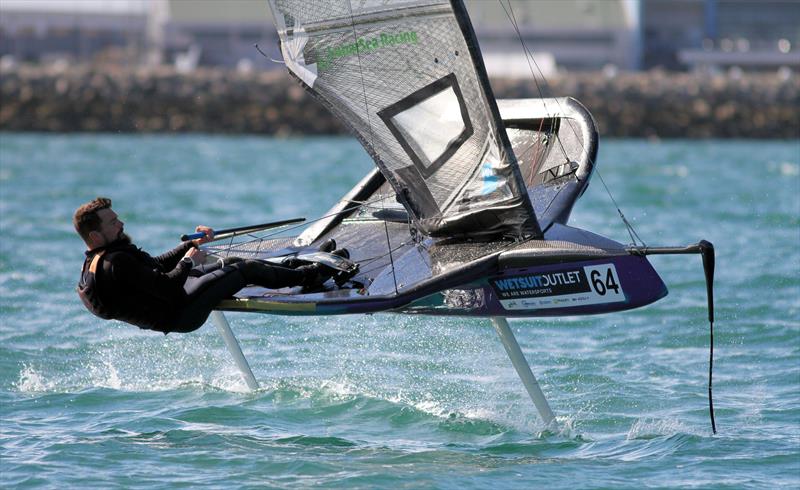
(315, 276)
(328, 245)
(318, 273)
(341, 277)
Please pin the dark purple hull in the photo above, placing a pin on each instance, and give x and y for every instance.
(573, 288)
(584, 287)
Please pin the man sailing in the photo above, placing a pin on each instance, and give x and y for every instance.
(167, 293)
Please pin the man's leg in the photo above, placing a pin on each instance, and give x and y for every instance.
(205, 292)
(272, 276)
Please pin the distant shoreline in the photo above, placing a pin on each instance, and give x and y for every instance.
(115, 99)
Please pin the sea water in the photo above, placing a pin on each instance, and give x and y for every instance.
(388, 401)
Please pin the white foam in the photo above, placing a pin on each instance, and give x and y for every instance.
(652, 428)
(30, 381)
(339, 388)
(133, 364)
(105, 376)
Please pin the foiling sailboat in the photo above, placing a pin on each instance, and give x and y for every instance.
(467, 210)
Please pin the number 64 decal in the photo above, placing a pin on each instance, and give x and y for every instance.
(604, 280)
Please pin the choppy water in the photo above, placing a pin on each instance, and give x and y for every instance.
(392, 401)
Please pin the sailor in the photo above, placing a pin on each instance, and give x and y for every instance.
(166, 293)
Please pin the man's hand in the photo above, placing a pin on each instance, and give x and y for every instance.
(198, 256)
(209, 235)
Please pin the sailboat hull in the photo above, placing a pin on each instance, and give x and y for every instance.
(537, 278)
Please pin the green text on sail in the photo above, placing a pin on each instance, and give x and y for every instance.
(365, 45)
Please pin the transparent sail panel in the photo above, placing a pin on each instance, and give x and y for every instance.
(432, 125)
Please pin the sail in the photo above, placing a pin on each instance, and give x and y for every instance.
(407, 77)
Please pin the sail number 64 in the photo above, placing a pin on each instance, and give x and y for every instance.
(604, 280)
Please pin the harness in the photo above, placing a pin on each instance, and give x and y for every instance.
(88, 290)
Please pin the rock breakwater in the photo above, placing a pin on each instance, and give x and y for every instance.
(114, 99)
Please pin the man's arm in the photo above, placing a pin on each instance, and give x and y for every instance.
(169, 260)
(133, 274)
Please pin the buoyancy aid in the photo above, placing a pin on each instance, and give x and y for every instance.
(88, 290)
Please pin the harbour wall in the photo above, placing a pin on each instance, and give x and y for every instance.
(114, 99)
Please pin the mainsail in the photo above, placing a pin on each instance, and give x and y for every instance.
(407, 77)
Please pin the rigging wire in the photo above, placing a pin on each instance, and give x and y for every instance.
(217, 250)
(529, 58)
(270, 234)
(371, 133)
(531, 63)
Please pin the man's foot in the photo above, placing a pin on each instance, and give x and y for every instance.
(342, 252)
(315, 276)
(328, 245)
(293, 262)
(341, 277)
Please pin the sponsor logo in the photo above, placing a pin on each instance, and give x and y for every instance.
(365, 45)
(574, 280)
(573, 287)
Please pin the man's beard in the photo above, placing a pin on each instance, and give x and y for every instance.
(124, 238)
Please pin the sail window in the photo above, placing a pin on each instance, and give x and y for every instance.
(430, 124)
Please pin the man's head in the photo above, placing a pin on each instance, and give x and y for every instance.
(97, 223)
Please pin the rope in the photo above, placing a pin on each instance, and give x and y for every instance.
(529, 58)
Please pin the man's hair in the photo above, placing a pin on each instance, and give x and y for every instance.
(86, 220)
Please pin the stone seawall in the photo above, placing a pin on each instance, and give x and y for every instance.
(654, 104)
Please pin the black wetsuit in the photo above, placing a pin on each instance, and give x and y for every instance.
(164, 293)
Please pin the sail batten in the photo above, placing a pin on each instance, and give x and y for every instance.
(407, 78)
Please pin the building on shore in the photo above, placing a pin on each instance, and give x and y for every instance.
(751, 35)
(207, 33)
(184, 32)
(70, 32)
(574, 35)
(571, 35)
